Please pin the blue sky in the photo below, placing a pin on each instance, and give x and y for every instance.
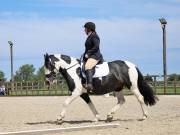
(129, 30)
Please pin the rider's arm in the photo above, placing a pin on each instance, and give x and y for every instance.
(95, 48)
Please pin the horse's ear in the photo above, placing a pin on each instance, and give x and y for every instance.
(46, 57)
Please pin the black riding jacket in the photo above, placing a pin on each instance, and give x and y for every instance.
(92, 47)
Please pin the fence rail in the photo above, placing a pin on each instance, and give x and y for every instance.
(61, 89)
(36, 89)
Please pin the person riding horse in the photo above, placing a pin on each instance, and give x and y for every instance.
(121, 74)
(92, 54)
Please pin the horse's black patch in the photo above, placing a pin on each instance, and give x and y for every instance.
(66, 58)
(68, 78)
(78, 61)
(50, 64)
(46, 62)
(125, 74)
(53, 58)
(78, 71)
(85, 97)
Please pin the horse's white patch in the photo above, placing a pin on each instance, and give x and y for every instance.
(76, 78)
(46, 71)
(61, 63)
(133, 75)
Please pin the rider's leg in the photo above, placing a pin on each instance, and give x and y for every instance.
(88, 71)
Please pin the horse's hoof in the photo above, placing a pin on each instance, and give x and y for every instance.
(109, 118)
(144, 117)
(95, 120)
(59, 121)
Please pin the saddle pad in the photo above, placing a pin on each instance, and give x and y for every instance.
(100, 70)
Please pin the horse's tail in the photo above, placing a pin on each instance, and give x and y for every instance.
(147, 92)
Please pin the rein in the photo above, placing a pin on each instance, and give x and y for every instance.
(71, 66)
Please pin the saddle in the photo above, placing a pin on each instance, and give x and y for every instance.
(99, 70)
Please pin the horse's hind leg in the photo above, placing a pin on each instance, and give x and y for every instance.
(140, 98)
(133, 75)
(87, 99)
(121, 101)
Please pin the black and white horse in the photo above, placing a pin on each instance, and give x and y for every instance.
(121, 74)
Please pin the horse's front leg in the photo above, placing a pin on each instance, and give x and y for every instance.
(87, 99)
(68, 101)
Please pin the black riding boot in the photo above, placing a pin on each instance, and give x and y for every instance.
(89, 74)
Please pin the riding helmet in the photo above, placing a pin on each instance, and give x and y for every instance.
(90, 25)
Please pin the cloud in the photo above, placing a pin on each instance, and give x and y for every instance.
(134, 39)
(67, 35)
(15, 15)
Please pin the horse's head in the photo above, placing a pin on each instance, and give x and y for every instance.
(57, 63)
(50, 68)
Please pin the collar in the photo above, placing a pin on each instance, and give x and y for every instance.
(89, 33)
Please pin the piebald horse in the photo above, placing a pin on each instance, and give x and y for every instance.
(121, 74)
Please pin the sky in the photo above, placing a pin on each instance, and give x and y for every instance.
(128, 29)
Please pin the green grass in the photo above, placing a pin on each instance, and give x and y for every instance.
(168, 90)
(160, 91)
(64, 91)
(39, 93)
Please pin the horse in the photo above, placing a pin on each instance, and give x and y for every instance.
(121, 74)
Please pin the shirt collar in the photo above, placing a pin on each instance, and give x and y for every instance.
(90, 33)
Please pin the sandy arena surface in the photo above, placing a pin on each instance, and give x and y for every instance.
(30, 113)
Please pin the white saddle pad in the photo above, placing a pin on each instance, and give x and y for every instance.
(100, 70)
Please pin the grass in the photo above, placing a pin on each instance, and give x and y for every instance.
(169, 90)
(39, 93)
(160, 91)
(65, 92)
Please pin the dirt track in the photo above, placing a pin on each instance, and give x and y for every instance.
(29, 113)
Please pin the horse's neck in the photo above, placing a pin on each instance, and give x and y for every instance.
(74, 61)
(68, 75)
(63, 64)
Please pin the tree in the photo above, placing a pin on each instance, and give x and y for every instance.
(148, 78)
(40, 75)
(172, 77)
(2, 79)
(2, 75)
(25, 73)
(60, 78)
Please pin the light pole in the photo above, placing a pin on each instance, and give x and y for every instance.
(163, 25)
(11, 55)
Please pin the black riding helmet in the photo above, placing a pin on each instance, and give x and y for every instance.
(90, 25)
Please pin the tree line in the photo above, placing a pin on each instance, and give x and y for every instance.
(28, 72)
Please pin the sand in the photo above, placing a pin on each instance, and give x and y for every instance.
(32, 113)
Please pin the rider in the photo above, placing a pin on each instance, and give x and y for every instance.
(92, 55)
